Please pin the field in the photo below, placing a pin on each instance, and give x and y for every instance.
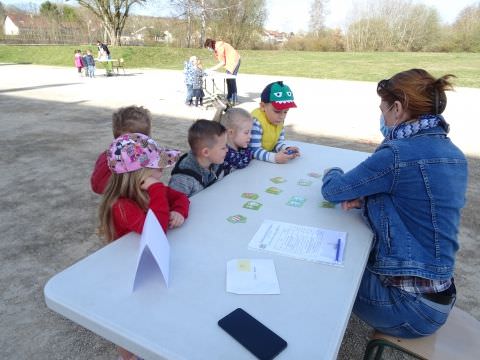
(371, 66)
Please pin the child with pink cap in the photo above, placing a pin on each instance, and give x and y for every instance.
(136, 163)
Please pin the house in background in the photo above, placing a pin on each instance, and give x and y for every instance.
(10, 26)
(275, 37)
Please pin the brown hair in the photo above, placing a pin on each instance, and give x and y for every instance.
(209, 43)
(417, 90)
(204, 133)
(125, 185)
(131, 119)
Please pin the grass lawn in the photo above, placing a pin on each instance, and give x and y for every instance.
(371, 66)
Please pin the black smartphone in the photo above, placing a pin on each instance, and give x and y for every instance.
(251, 333)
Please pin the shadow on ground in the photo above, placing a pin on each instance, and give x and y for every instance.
(48, 220)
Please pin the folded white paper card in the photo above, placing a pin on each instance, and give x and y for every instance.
(252, 276)
(154, 252)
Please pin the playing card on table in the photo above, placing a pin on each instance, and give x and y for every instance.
(251, 196)
(273, 190)
(278, 180)
(252, 205)
(296, 201)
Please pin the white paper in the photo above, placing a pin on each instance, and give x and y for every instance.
(154, 252)
(301, 242)
(252, 276)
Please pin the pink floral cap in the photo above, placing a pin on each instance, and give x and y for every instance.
(131, 152)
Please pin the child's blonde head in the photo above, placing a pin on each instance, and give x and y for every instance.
(131, 119)
(232, 118)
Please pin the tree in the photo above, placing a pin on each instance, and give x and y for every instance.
(396, 25)
(318, 11)
(112, 14)
(237, 21)
(466, 29)
(49, 10)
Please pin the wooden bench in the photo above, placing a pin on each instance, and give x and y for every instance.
(458, 338)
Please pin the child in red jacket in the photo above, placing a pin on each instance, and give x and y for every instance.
(136, 162)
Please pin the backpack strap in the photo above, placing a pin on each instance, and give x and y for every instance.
(189, 172)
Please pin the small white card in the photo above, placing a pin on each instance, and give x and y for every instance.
(252, 276)
(154, 252)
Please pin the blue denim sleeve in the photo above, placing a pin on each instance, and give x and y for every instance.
(374, 175)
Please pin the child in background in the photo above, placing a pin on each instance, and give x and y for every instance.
(78, 61)
(189, 73)
(135, 187)
(131, 119)
(89, 64)
(198, 83)
(203, 164)
(268, 133)
(238, 123)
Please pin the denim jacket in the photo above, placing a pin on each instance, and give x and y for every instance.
(413, 189)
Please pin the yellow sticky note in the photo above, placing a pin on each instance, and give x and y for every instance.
(244, 265)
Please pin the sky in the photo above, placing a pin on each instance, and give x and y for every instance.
(293, 15)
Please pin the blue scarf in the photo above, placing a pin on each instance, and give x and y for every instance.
(424, 122)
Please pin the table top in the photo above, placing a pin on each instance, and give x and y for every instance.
(180, 322)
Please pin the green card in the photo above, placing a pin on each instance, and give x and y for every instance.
(278, 180)
(252, 205)
(304, 182)
(251, 196)
(327, 204)
(234, 219)
(273, 190)
(296, 201)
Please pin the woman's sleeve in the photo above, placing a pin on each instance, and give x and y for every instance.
(374, 175)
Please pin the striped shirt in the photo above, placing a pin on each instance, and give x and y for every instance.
(259, 152)
(416, 285)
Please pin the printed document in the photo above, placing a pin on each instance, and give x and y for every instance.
(300, 242)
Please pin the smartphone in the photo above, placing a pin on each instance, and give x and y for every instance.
(251, 333)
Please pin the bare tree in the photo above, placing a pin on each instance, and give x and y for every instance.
(318, 12)
(395, 25)
(112, 14)
(466, 29)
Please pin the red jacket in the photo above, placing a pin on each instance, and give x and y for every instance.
(101, 174)
(128, 216)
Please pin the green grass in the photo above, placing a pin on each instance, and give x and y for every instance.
(371, 66)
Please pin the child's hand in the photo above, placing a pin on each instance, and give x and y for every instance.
(176, 219)
(352, 204)
(292, 150)
(285, 155)
(149, 181)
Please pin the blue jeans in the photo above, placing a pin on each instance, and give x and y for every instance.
(396, 312)
(188, 100)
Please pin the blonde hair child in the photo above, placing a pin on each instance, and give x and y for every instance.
(238, 123)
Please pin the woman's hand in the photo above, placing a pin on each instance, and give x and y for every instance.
(352, 204)
(176, 219)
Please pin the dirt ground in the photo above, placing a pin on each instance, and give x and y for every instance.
(54, 124)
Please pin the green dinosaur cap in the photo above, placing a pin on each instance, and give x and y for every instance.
(279, 95)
